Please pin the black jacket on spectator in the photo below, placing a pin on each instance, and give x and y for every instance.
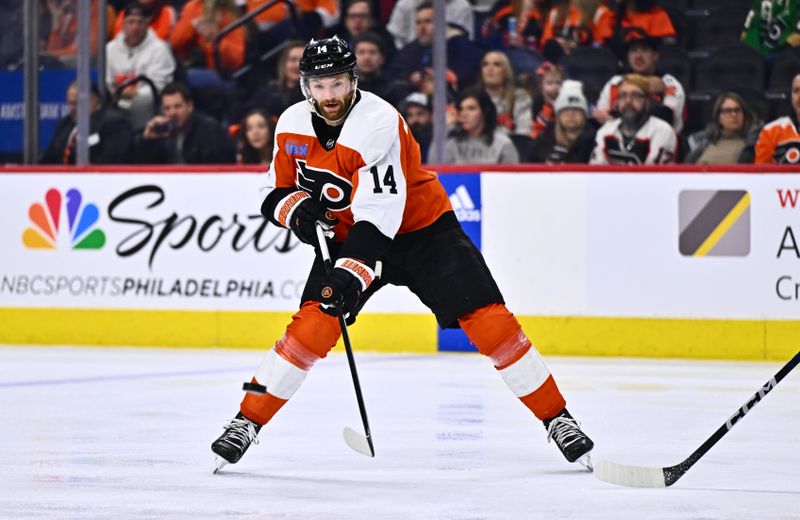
(544, 148)
(205, 142)
(110, 139)
(699, 141)
(463, 58)
(392, 91)
(275, 98)
(378, 29)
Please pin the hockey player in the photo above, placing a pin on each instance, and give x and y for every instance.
(636, 137)
(347, 159)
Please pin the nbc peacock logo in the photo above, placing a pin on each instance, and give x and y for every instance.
(46, 219)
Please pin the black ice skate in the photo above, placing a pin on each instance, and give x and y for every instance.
(234, 441)
(572, 442)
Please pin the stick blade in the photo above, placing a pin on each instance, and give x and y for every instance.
(630, 476)
(358, 442)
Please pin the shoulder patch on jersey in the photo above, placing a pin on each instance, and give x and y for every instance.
(296, 148)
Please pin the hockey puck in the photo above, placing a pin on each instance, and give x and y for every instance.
(254, 388)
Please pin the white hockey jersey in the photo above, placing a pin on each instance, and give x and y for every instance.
(674, 98)
(654, 143)
(370, 172)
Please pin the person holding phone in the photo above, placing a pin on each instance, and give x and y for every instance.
(181, 135)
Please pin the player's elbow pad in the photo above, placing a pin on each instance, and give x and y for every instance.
(366, 243)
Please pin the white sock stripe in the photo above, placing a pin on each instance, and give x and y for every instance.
(265, 368)
(287, 205)
(360, 270)
(526, 374)
(286, 379)
(281, 378)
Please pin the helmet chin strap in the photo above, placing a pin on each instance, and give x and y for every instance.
(313, 103)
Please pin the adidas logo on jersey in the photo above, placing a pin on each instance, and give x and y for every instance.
(464, 206)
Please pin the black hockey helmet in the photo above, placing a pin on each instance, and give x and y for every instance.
(327, 57)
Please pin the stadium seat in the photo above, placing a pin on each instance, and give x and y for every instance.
(675, 61)
(682, 27)
(756, 100)
(594, 66)
(523, 61)
(718, 27)
(714, 4)
(524, 146)
(679, 5)
(779, 104)
(732, 66)
(699, 104)
(785, 67)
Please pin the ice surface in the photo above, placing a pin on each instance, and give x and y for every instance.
(125, 433)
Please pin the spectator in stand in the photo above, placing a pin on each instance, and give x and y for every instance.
(779, 140)
(161, 17)
(62, 43)
(137, 51)
(515, 23)
(110, 134)
(513, 105)
(193, 36)
(368, 48)
(476, 139)
(571, 138)
(636, 137)
(732, 132)
(402, 22)
(645, 17)
(575, 23)
(772, 25)
(359, 19)
(463, 58)
(182, 135)
(665, 91)
(316, 17)
(416, 110)
(256, 138)
(283, 92)
(548, 81)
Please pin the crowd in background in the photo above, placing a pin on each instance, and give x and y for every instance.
(528, 81)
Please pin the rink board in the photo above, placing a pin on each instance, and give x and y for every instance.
(667, 264)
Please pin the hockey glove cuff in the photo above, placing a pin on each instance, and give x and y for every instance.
(299, 212)
(344, 286)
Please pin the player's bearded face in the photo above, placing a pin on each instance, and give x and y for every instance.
(332, 95)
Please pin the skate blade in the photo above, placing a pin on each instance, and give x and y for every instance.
(219, 463)
(586, 461)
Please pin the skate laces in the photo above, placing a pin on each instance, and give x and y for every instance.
(241, 432)
(565, 431)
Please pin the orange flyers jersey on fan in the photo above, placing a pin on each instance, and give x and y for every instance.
(779, 143)
(371, 173)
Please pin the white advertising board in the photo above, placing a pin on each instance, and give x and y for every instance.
(151, 241)
(600, 244)
(645, 245)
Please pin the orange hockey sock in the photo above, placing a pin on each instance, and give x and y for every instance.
(309, 337)
(498, 335)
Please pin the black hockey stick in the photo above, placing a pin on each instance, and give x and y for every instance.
(358, 442)
(641, 476)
